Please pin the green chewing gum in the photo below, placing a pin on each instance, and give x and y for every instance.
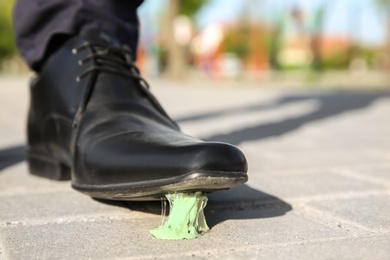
(186, 219)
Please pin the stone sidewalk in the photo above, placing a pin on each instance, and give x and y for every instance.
(319, 188)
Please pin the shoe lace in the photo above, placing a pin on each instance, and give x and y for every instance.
(109, 59)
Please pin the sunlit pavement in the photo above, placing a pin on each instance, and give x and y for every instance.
(319, 188)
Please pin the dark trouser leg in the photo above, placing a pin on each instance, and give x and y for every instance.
(41, 26)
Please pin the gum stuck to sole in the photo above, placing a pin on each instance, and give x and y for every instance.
(186, 218)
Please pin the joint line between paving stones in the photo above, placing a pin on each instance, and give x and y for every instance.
(70, 219)
(356, 175)
(330, 220)
(33, 192)
(344, 195)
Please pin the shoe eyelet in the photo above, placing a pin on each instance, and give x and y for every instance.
(78, 79)
(80, 62)
(74, 51)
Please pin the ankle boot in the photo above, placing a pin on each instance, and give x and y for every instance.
(93, 120)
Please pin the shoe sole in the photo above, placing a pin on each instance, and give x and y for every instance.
(157, 189)
(206, 182)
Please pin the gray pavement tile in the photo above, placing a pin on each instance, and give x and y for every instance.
(238, 120)
(2, 252)
(130, 237)
(267, 162)
(242, 230)
(306, 185)
(370, 211)
(375, 248)
(13, 108)
(56, 206)
(334, 108)
(380, 173)
(17, 180)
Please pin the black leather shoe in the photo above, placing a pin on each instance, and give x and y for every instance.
(93, 120)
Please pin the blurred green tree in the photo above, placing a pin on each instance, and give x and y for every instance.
(191, 8)
(7, 43)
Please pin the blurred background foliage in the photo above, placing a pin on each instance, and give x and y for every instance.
(191, 7)
(262, 36)
(265, 37)
(7, 43)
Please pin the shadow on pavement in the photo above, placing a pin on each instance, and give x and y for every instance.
(12, 155)
(330, 104)
(241, 202)
(152, 207)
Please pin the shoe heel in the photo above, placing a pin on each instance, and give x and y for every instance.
(48, 168)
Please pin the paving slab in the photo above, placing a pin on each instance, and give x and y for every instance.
(306, 185)
(16, 180)
(378, 173)
(375, 248)
(371, 211)
(58, 206)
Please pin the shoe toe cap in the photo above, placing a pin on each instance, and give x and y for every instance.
(220, 157)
